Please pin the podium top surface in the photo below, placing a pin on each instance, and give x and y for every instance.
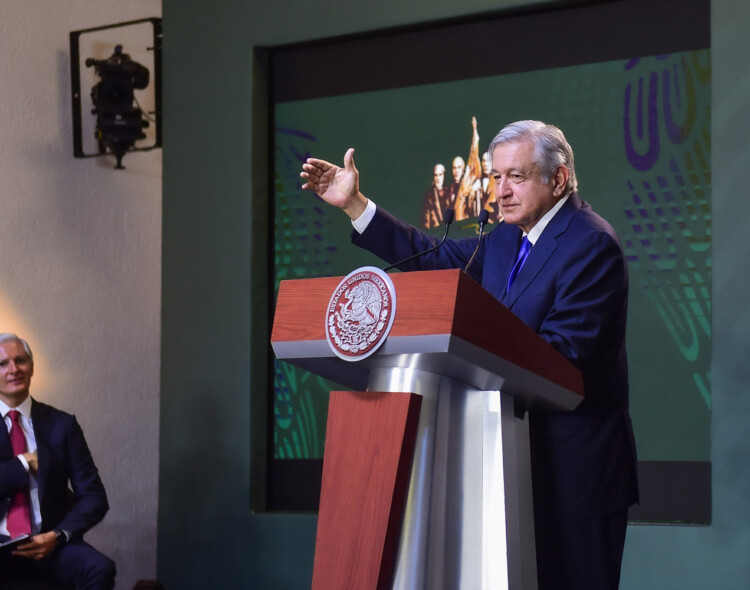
(445, 323)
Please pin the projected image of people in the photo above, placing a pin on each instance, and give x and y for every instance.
(435, 199)
(458, 166)
(469, 192)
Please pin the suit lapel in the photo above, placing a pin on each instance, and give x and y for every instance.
(42, 425)
(543, 249)
(6, 450)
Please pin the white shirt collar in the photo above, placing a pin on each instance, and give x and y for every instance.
(24, 408)
(537, 230)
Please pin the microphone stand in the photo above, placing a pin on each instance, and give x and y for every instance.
(483, 218)
(448, 216)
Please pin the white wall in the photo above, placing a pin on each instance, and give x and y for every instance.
(80, 266)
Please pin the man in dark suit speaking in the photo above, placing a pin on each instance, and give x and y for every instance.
(559, 267)
(42, 452)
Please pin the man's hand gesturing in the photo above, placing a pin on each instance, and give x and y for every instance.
(336, 186)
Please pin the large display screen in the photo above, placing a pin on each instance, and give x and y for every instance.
(628, 84)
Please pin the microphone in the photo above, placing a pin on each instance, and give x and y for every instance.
(448, 219)
(483, 218)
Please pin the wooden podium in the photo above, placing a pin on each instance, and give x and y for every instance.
(426, 476)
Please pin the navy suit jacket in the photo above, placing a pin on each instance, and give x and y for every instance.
(573, 291)
(64, 461)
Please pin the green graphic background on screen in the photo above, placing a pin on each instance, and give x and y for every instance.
(640, 130)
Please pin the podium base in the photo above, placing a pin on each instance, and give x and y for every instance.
(369, 448)
(468, 522)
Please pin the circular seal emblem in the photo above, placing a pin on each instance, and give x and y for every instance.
(360, 313)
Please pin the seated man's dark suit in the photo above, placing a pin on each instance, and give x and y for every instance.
(64, 460)
(573, 292)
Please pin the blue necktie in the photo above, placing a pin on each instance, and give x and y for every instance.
(523, 254)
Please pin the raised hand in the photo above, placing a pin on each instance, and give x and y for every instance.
(336, 186)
